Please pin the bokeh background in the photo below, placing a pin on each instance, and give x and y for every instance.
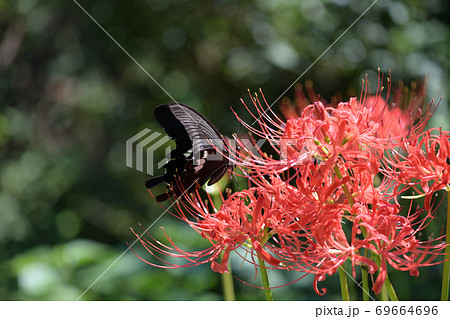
(70, 98)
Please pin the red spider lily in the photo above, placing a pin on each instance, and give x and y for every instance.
(393, 118)
(348, 129)
(319, 200)
(391, 238)
(426, 165)
(235, 225)
(280, 225)
(351, 138)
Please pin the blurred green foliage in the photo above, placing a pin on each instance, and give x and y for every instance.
(70, 98)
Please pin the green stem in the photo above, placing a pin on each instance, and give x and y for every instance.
(390, 289)
(265, 280)
(347, 193)
(227, 285)
(446, 272)
(384, 296)
(344, 286)
(365, 283)
(342, 275)
(387, 289)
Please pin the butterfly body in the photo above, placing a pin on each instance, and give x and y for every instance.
(200, 153)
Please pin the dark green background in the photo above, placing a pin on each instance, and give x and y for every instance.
(70, 98)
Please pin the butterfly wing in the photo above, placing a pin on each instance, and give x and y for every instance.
(188, 128)
(195, 135)
(194, 176)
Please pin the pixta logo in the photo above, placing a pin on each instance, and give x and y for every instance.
(143, 140)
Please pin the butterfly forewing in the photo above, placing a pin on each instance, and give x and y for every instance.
(198, 156)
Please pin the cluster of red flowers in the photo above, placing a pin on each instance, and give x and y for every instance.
(330, 191)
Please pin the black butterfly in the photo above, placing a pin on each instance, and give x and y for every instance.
(199, 153)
